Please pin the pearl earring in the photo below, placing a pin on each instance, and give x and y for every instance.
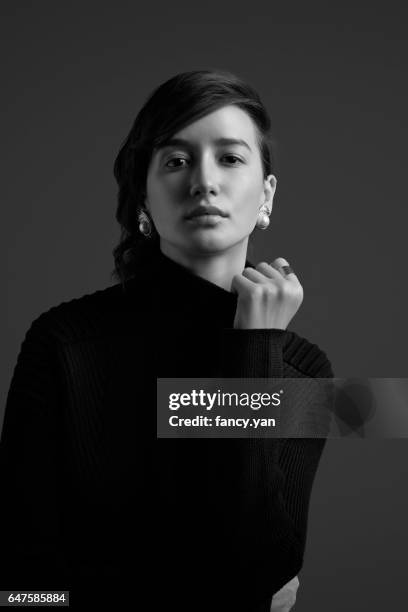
(145, 225)
(263, 217)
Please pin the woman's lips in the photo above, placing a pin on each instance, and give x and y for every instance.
(203, 220)
(205, 209)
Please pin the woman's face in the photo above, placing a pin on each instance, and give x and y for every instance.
(201, 168)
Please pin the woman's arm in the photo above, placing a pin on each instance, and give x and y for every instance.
(279, 473)
(30, 556)
(267, 547)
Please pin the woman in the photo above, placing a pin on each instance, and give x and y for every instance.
(97, 504)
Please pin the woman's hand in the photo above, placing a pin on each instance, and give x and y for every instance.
(285, 598)
(267, 298)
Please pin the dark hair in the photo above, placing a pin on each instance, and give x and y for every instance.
(181, 100)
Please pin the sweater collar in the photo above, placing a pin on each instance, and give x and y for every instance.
(170, 282)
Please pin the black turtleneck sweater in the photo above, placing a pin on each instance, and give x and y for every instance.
(94, 503)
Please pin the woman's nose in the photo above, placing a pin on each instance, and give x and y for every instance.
(204, 178)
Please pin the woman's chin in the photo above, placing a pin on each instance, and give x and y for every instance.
(205, 243)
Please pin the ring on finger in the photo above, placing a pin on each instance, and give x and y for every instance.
(286, 269)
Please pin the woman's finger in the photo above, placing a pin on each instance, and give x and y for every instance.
(279, 264)
(259, 276)
(269, 271)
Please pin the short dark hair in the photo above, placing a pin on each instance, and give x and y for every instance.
(173, 105)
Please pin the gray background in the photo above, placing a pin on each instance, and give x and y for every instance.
(334, 80)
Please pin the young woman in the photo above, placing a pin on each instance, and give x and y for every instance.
(96, 503)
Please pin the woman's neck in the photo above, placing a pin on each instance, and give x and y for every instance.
(218, 268)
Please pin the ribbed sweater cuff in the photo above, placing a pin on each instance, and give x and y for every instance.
(252, 353)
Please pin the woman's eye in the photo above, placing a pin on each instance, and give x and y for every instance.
(234, 157)
(233, 160)
(175, 159)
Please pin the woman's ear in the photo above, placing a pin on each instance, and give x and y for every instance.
(269, 191)
(145, 201)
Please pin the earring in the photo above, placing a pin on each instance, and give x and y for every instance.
(145, 225)
(263, 217)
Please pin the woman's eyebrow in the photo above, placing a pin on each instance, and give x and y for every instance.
(182, 142)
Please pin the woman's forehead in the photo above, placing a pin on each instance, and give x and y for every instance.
(226, 122)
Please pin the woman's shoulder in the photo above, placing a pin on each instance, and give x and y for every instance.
(305, 356)
(80, 317)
